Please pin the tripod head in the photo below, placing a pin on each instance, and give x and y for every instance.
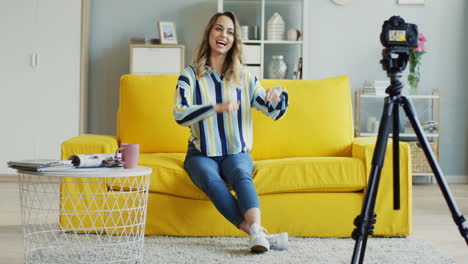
(394, 59)
(397, 37)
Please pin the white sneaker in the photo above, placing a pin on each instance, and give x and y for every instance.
(258, 240)
(278, 241)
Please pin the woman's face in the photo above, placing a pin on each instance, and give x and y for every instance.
(222, 35)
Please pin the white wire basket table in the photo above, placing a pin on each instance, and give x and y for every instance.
(84, 215)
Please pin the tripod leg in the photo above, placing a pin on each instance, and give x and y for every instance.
(396, 158)
(365, 221)
(456, 214)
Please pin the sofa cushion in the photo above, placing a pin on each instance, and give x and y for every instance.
(169, 176)
(270, 176)
(322, 174)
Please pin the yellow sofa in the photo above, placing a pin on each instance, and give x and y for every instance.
(310, 171)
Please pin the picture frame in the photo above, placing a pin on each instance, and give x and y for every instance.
(411, 2)
(167, 32)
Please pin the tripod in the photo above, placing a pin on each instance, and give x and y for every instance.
(366, 220)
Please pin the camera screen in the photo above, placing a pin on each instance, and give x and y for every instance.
(397, 35)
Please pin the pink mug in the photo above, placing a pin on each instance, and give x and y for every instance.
(130, 155)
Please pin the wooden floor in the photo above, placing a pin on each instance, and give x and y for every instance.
(431, 220)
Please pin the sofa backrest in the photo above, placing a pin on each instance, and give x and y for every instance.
(145, 114)
(318, 121)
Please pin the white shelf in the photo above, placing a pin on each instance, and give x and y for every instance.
(284, 2)
(300, 42)
(252, 42)
(408, 96)
(419, 176)
(282, 42)
(244, 2)
(367, 134)
(431, 113)
(257, 13)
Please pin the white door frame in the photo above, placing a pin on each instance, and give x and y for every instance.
(85, 11)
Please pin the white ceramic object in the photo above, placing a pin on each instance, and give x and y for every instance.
(245, 32)
(275, 27)
(372, 125)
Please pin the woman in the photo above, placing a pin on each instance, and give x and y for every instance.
(214, 98)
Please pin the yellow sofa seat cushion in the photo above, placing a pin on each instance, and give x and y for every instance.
(270, 176)
(169, 176)
(322, 174)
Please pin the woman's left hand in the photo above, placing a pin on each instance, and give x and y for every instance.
(271, 95)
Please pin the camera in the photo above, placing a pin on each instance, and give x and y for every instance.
(397, 37)
(395, 32)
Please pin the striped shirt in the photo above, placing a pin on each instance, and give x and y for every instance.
(221, 134)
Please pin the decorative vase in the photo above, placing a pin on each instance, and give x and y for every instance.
(278, 68)
(245, 32)
(294, 34)
(415, 72)
(275, 27)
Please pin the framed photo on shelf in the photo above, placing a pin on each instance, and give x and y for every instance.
(167, 32)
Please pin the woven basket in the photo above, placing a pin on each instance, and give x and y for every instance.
(418, 159)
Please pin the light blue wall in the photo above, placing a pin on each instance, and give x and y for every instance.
(344, 41)
(112, 24)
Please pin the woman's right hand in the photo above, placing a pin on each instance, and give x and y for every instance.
(227, 107)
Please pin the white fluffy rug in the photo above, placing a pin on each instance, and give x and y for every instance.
(301, 250)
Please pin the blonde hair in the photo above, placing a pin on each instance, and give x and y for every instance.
(233, 63)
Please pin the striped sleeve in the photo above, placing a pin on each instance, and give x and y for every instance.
(188, 108)
(275, 110)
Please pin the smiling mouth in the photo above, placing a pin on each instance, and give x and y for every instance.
(221, 43)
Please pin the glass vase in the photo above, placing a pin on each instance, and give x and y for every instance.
(413, 80)
(414, 71)
(278, 68)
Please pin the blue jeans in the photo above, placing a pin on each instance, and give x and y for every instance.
(211, 174)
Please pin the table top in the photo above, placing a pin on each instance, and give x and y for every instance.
(93, 172)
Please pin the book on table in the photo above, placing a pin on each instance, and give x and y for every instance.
(40, 165)
(75, 161)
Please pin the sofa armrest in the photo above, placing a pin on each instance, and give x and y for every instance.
(363, 148)
(89, 144)
(83, 195)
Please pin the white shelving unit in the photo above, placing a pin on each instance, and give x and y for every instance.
(420, 102)
(257, 13)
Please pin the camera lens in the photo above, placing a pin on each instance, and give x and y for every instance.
(398, 22)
